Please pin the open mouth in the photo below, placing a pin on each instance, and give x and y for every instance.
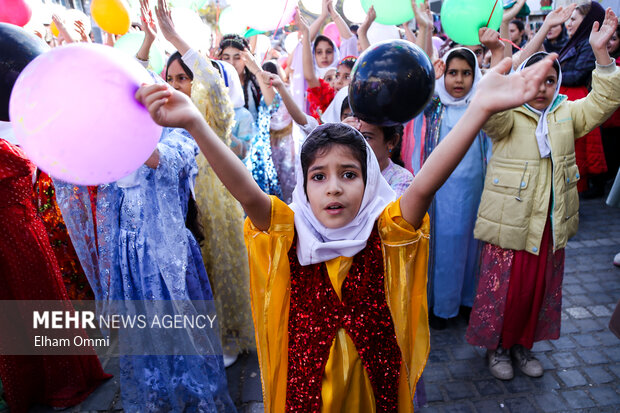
(334, 208)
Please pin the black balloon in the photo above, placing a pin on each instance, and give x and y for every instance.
(393, 81)
(17, 49)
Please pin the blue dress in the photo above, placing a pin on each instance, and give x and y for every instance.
(143, 252)
(454, 253)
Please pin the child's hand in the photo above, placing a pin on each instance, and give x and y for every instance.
(600, 37)
(490, 39)
(271, 79)
(168, 107)
(512, 12)
(353, 122)
(497, 92)
(147, 22)
(559, 15)
(302, 24)
(370, 17)
(250, 62)
(165, 21)
(422, 13)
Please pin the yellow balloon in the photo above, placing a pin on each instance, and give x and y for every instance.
(54, 29)
(111, 15)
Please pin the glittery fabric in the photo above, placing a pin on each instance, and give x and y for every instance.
(315, 316)
(221, 216)
(283, 150)
(398, 177)
(259, 160)
(29, 271)
(536, 279)
(73, 275)
(319, 99)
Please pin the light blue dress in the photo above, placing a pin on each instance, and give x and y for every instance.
(143, 251)
(454, 253)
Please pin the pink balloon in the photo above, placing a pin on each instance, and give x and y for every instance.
(16, 12)
(331, 31)
(73, 111)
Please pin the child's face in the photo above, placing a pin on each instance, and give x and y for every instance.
(375, 138)
(614, 42)
(324, 54)
(335, 187)
(343, 77)
(459, 78)
(178, 79)
(330, 77)
(232, 55)
(546, 91)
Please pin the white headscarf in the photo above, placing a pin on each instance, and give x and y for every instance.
(6, 132)
(542, 129)
(320, 71)
(232, 81)
(440, 84)
(315, 242)
(333, 111)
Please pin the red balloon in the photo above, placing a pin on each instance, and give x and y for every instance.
(16, 12)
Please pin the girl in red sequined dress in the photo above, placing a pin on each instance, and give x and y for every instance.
(29, 271)
(338, 279)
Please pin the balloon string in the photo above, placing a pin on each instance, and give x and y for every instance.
(273, 36)
(492, 11)
(512, 43)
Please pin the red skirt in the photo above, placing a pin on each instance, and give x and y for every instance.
(519, 296)
(589, 148)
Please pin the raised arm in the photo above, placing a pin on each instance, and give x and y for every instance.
(274, 81)
(256, 70)
(167, 28)
(171, 108)
(315, 27)
(495, 92)
(149, 28)
(306, 52)
(509, 14)
(362, 31)
(424, 21)
(343, 28)
(489, 38)
(556, 17)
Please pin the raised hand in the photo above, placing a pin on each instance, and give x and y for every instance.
(512, 12)
(80, 29)
(423, 14)
(165, 21)
(559, 15)
(371, 15)
(147, 22)
(168, 107)
(497, 92)
(599, 36)
(271, 79)
(302, 24)
(250, 62)
(490, 39)
(326, 5)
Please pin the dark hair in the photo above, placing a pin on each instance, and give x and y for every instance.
(616, 53)
(322, 38)
(249, 81)
(537, 57)
(584, 8)
(354, 28)
(348, 61)
(324, 137)
(394, 134)
(345, 105)
(271, 67)
(469, 57)
(177, 56)
(192, 220)
(519, 24)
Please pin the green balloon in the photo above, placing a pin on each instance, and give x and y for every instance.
(252, 32)
(130, 43)
(461, 19)
(391, 12)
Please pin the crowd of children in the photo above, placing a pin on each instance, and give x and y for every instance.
(305, 224)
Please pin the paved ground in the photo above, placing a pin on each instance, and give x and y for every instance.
(582, 368)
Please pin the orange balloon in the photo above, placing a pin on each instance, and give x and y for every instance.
(111, 15)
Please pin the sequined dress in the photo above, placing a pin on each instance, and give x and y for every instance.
(29, 271)
(143, 251)
(311, 325)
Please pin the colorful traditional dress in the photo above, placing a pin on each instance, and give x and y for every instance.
(316, 325)
(29, 271)
(223, 249)
(283, 148)
(72, 273)
(398, 177)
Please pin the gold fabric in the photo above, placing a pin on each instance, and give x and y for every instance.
(221, 216)
(345, 386)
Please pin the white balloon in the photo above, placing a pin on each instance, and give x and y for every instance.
(313, 6)
(192, 29)
(380, 32)
(76, 15)
(290, 42)
(231, 21)
(263, 44)
(266, 15)
(353, 11)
